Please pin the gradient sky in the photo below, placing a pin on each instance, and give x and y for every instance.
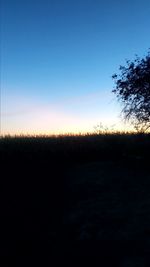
(57, 59)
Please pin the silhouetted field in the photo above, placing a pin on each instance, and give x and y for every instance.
(86, 196)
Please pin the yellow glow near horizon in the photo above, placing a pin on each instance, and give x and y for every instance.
(25, 116)
(50, 122)
(61, 125)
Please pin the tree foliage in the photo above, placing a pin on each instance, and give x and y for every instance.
(132, 87)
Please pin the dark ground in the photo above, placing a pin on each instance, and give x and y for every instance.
(76, 197)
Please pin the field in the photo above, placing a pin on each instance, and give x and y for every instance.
(77, 195)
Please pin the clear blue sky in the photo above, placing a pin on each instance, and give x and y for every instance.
(57, 59)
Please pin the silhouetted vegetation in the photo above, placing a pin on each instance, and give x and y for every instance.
(133, 90)
(77, 148)
(58, 190)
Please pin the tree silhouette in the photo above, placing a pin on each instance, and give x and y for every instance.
(132, 88)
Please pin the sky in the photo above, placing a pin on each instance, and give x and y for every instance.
(58, 58)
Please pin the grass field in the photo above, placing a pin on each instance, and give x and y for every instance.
(72, 189)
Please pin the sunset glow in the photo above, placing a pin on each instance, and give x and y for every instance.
(57, 61)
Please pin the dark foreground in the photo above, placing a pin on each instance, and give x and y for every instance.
(75, 201)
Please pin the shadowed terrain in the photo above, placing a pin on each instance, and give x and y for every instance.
(83, 195)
